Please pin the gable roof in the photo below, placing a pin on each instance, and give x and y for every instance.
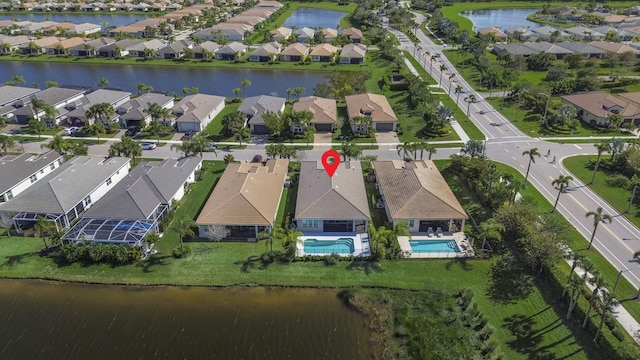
(416, 190)
(597, 103)
(341, 196)
(14, 169)
(246, 194)
(296, 49)
(617, 48)
(282, 31)
(581, 48)
(268, 49)
(353, 51)
(324, 50)
(324, 110)
(378, 105)
(232, 48)
(63, 189)
(10, 94)
(196, 107)
(147, 186)
(57, 95)
(547, 47)
(255, 106)
(353, 33)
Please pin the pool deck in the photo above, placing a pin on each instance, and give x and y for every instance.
(461, 240)
(360, 242)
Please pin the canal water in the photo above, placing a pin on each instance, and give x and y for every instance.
(44, 320)
(306, 17)
(500, 18)
(214, 81)
(115, 20)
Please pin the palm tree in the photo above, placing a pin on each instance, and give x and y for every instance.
(577, 259)
(58, 143)
(575, 287)
(103, 82)
(598, 217)
(562, 182)
(406, 149)
(458, 90)
(6, 142)
(184, 228)
(229, 159)
(532, 159)
(608, 303)
(289, 93)
(598, 282)
(241, 133)
(490, 229)
(41, 228)
(443, 68)
(244, 83)
(469, 99)
(602, 147)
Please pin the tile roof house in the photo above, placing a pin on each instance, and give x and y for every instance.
(294, 52)
(38, 46)
(254, 107)
(10, 94)
(13, 43)
(19, 172)
(195, 112)
(373, 105)
(584, 33)
(119, 48)
(513, 49)
(335, 203)
(140, 50)
(329, 34)
(136, 205)
(64, 194)
(85, 29)
(280, 34)
(587, 51)
(304, 34)
(547, 32)
(132, 112)
(228, 31)
(417, 193)
(324, 111)
(354, 34)
(175, 50)
(232, 51)
(548, 48)
(353, 54)
(245, 200)
(265, 52)
(595, 107)
(205, 50)
(58, 97)
(492, 34)
(90, 48)
(77, 110)
(613, 47)
(61, 47)
(323, 53)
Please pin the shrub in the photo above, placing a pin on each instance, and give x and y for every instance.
(180, 253)
(617, 180)
(618, 334)
(331, 260)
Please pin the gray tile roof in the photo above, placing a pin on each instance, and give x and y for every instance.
(57, 95)
(342, 196)
(255, 106)
(147, 186)
(134, 108)
(63, 189)
(14, 169)
(196, 107)
(581, 48)
(10, 94)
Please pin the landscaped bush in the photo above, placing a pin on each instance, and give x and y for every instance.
(331, 260)
(179, 253)
(95, 253)
(617, 180)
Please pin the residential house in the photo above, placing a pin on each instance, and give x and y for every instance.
(13, 43)
(586, 50)
(281, 34)
(521, 33)
(131, 30)
(329, 34)
(376, 107)
(613, 47)
(175, 50)
(85, 29)
(13, 98)
(19, 172)
(205, 50)
(265, 52)
(595, 107)
(513, 49)
(195, 112)
(233, 51)
(245, 200)
(224, 31)
(353, 54)
(57, 97)
(354, 34)
(254, 107)
(133, 112)
(90, 47)
(324, 111)
(584, 33)
(61, 47)
(136, 206)
(323, 53)
(64, 194)
(119, 48)
(331, 204)
(78, 109)
(549, 48)
(621, 33)
(630, 114)
(491, 34)
(295, 52)
(305, 34)
(417, 194)
(38, 46)
(550, 33)
(146, 47)
(252, 21)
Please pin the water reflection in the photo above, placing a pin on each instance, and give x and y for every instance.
(314, 18)
(42, 320)
(115, 20)
(501, 18)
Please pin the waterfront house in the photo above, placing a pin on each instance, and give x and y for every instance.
(584, 33)
(304, 34)
(491, 34)
(146, 47)
(376, 107)
(64, 194)
(13, 43)
(324, 112)
(252, 21)
(14, 95)
(586, 50)
(233, 51)
(85, 29)
(353, 54)
(19, 172)
(245, 200)
(254, 107)
(119, 48)
(281, 34)
(134, 111)
(224, 31)
(195, 112)
(549, 33)
(323, 53)
(77, 110)
(175, 50)
(205, 50)
(329, 204)
(416, 193)
(90, 47)
(57, 97)
(265, 52)
(61, 47)
(329, 34)
(295, 52)
(354, 34)
(136, 206)
(38, 46)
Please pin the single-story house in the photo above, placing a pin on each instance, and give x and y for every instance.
(329, 204)
(586, 50)
(227, 31)
(513, 49)
(353, 54)
(90, 48)
(175, 50)
(19, 172)
(595, 107)
(265, 52)
(64, 194)
(329, 34)
(549, 48)
(323, 53)
(205, 50)
(77, 110)
(133, 111)
(613, 47)
(85, 29)
(13, 43)
(416, 193)
(140, 50)
(522, 33)
(584, 33)
(58, 97)
(254, 107)
(280, 34)
(324, 111)
(119, 48)
(232, 51)
(295, 52)
(304, 34)
(38, 46)
(61, 47)
(11, 95)
(376, 107)
(245, 200)
(195, 112)
(354, 34)
(136, 205)
(547, 32)
(492, 34)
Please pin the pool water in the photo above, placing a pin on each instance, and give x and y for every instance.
(338, 246)
(434, 246)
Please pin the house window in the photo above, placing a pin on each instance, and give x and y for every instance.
(9, 195)
(87, 200)
(41, 171)
(52, 166)
(411, 223)
(108, 181)
(310, 224)
(59, 161)
(33, 178)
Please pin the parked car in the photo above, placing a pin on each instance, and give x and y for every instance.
(189, 134)
(70, 130)
(147, 146)
(257, 159)
(132, 131)
(212, 146)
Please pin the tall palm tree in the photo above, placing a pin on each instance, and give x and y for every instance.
(575, 287)
(184, 228)
(6, 142)
(598, 217)
(490, 229)
(241, 133)
(443, 68)
(244, 83)
(532, 153)
(608, 303)
(41, 228)
(458, 90)
(469, 99)
(562, 182)
(602, 147)
(58, 143)
(599, 283)
(406, 148)
(576, 258)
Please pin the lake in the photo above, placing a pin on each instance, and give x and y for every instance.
(501, 18)
(214, 81)
(306, 17)
(115, 20)
(48, 320)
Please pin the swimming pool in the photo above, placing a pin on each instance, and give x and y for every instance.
(342, 246)
(434, 246)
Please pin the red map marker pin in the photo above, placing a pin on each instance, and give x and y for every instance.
(331, 161)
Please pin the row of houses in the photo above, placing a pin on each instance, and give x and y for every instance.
(550, 33)
(306, 34)
(12, 27)
(597, 107)
(156, 6)
(348, 54)
(588, 50)
(192, 113)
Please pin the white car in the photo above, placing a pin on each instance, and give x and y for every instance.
(70, 130)
(148, 146)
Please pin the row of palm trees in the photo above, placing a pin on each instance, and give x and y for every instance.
(409, 150)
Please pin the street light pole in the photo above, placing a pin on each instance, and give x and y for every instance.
(615, 286)
(544, 118)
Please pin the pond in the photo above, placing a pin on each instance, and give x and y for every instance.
(500, 18)
(115, 20)
(170, 79)
(44, 320)
(313, 18)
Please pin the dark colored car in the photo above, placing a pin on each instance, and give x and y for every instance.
(189, 134)
(132, 131)
(257, 159)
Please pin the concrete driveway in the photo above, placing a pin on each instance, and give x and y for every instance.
(322, 141)
(387, 138)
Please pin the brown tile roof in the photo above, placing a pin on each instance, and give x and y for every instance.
(617, 48)
(324, 50)
(246, 194)
(296, 49)
(342, 196)
(330, 33)
(353, 51)
(416, 190)
(282, 31)
(323, 109)
(353, 33)
(361, 104)
(597, 103)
